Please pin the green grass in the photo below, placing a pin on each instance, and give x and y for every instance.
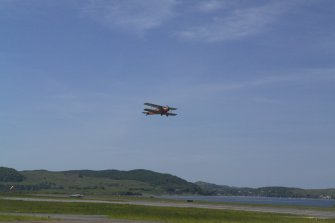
(300, 207)
(7, 218)
(158, 214)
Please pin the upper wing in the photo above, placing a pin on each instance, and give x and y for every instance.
(153, 105)
(172, 114)
(172, 108)
(149, 110)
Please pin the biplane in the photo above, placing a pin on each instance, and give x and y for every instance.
(158, 110)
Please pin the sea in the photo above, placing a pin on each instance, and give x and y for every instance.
(326, 203)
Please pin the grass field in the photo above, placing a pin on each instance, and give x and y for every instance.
(158, 214)
(156, 199)
(19, 218)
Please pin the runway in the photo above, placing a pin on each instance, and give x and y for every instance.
(265, 209)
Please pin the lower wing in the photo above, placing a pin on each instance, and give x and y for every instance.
(149, 113)
(172, 114)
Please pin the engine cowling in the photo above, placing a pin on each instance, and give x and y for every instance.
(166, 108)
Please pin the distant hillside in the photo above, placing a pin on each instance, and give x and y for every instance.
(167, 182)
(134, 182)
(10, 175)
(213, 189)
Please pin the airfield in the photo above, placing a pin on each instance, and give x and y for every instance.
(293, 213)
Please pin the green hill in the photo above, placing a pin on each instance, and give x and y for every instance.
(10, 175)
(167, 182)
(113, 182)
(213, 189)
(133, 182)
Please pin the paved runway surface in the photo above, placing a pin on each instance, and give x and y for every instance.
(293, 211)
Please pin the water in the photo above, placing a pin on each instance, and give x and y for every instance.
(260, 200)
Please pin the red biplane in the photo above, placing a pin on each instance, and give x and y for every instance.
(158, 110)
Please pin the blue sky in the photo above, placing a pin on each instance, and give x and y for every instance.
(254, 82)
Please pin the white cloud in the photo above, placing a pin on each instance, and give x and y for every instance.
(299, 76)
(210, 6)
(132, 15)
(203, 21)
(186, 92)
(236, 24)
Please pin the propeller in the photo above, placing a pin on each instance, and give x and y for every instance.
(171, 108)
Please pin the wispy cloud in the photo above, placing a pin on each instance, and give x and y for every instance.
(299, 76)
(187, 92)
(211, 5)
(131, 15)
(204, 21)
(237, 23)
